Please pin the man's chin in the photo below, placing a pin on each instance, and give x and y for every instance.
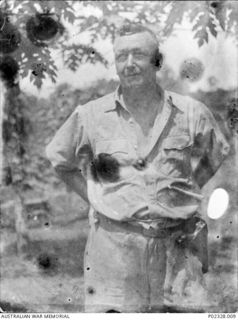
(132, 83)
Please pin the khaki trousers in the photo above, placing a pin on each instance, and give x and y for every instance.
(126, 271)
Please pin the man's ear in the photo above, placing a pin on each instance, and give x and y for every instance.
(157, 59)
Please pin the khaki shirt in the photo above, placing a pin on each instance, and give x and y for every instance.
(186, 148)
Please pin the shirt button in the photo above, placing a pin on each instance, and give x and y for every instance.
(96, 220)
(140, 164)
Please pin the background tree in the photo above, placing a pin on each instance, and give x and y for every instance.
(38, 26)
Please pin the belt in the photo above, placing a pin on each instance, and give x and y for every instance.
(107, 223)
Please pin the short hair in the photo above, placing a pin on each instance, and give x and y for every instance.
(130, 28)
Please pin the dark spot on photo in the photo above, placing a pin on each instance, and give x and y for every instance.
(214, 4)
(47, 262)
(192, 69)
(38, 69)
(8, 70)
(7, 174)
(44, 261)
(91, 290)
(10, 37)
(105, 167)
(42, 27)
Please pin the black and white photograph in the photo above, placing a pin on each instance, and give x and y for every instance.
(118, 157)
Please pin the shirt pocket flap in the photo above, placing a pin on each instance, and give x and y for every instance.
(177, 142)
(114, 146)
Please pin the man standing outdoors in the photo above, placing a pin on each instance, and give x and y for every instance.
(139, 157)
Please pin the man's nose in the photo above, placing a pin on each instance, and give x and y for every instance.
(130, 60)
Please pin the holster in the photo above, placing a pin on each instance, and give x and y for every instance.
(195, 238)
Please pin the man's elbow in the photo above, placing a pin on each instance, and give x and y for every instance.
(57, 159)
(49, 153)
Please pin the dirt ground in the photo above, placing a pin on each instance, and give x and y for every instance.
(49, 276)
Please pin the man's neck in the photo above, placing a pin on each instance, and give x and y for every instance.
(143, 100)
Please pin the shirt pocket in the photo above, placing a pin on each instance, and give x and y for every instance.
(118, 148)
(175, 156)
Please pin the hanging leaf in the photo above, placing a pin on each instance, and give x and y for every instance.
(204, 23)
(232, 25)
(73, 62)
(64, 9)
(212, 27)
(195, 11)
(69, 16)
(161, 15)
(75, 55)
(22, 7)
(219, 9)
(37, 80)
(175, 15)
(200, 27)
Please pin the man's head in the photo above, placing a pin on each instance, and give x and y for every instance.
(137, 55)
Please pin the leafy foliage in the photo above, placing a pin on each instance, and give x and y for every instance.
(100, 20)
(74, 55)
(206, 17)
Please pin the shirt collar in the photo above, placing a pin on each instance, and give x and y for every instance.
(172, 100)
(119, 101)
(168, 97)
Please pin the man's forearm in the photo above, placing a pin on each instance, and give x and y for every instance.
(75, 180)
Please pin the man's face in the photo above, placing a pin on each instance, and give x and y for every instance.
(133, 54)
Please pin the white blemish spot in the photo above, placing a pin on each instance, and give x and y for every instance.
(218, 203)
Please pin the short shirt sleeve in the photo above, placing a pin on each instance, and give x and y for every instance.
(70, 147)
